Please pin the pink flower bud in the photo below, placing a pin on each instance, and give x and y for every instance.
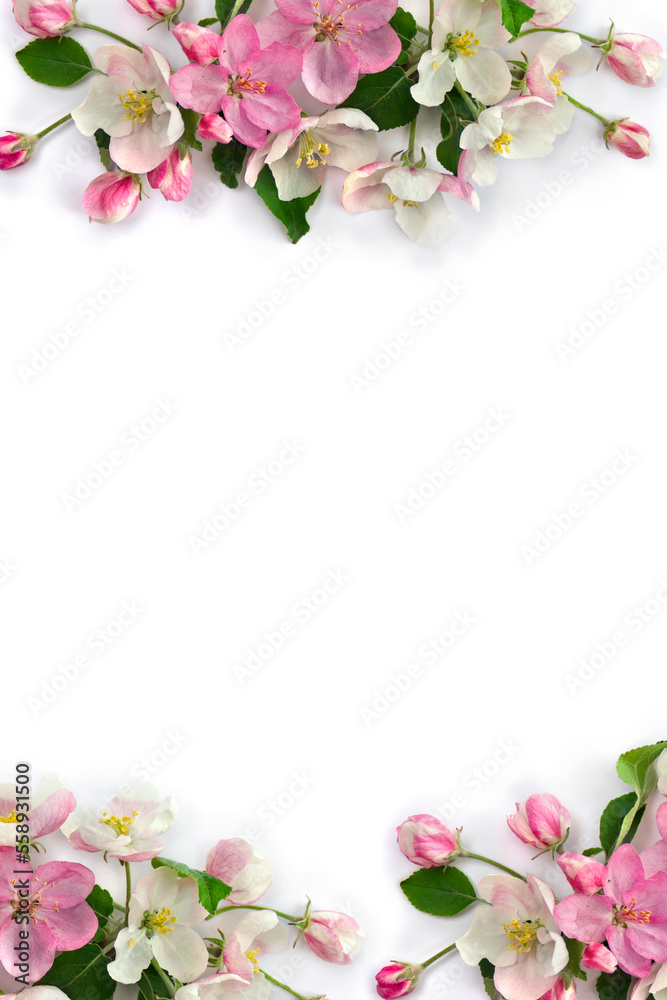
(540, 821)
(629, 138)
(45, 18)
(16, 149)
(396, 980)
(334, 937)
(201, 45)
(173, 176)
(157, 10)
(427, 842)
(214, 127)
(597, 956)
(584, 874)
(111, 197)
(637, 59)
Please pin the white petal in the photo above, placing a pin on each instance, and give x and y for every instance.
(296, 182)
(350, 148)
(133, 955)
(425, 223)
(182, 953)
(562, 115)
(484, 131)
(103, 109)
(490, 30)
(413, 183)
(436, 78)
(485, 75)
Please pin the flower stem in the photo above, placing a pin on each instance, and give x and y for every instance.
(278, 913)
(495, 864)
(61, 121)
(128, 891)
(563, 31)
(431, 17)
(605, 121)
(434, 958)
(164, 977)
(468, 99)
(413, 133)
(111, 34)
(287, 989)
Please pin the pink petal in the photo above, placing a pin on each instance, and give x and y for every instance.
(330, 71)
(625, 870)
(586, 918)
(66, 882)
(376, 49)
(52, 813)
(201, 88)
(628, 959)
(72, 928)
(240, 43)
(298, 11)
(42, 947)
(274, 110)
(276, 28)
(244, 130)
(228, 858)
(280, 64)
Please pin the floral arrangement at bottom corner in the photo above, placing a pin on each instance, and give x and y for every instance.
(529, 945)
(176, 932)
(372, 66)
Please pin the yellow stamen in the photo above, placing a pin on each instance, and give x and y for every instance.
(312, 151)
(121, 824)
(628, 914)
(138, 104)
(464, 44)
(252, 955)
(9, 819)
(159, 921)
(502, 143)
(522, 934)
(556, 79)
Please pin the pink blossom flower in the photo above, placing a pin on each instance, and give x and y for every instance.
(541, 821)
(16, 148)
(339, 40)
(549, 13)
(127, 828)
(248, 85)
(654, 984)
(133, 105)
(559, 991)
(236, 863)
(631, 914)
(333, 937)
(157, 10)
(637, 59)
(49, 808)
(396, 980)
(53, 899)
(597, 956)
(584, 874)
(45, 18)
(654, 859)
(200, 45)
(173, 177)
(426, 841)
(111, 197)
(629, 138)
(214, 127)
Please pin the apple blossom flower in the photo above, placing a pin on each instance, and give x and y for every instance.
(333, 937)
(396, 980)
(236, 863)
(38, 993)
(517, 934)
(413, 193)
(629, 138)
(45, 18)
(637, 59)
(630, 914)
(541, 821)
(239, 974)
(157, 10)
(549, 13)
(53, 898)
(516, 129)
(464, 38)
(298, 157)
(661, 770)
(214, 127)
(427, 842)
(49, 808)
(584, 874)
(111, 197)
(248, 85)
(173, 177)
(133, 105)
(128, 828)
(597, 956)
(339, 40)
(559, 991)
(200, 44)
(558, 57)
(16, 148)
(654, 984)
(163, 910)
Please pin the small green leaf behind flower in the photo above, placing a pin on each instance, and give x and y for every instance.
(385, 97)
(292, 213)
(211, 890)
(515, 14)
(443, 892)
(228, 159)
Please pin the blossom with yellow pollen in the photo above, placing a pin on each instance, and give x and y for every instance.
(49, 807)
(514, 129)
(560, 56)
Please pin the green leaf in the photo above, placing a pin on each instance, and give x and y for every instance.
(227, 9)
(206, 22)
(487, 970)
(614, 820)
(636, 769)
(441, 891)
(515, 14)
(455, 116)
(81, 974)
(191, 121)
(292, 213)
(101, 902)
(228, 160)
(575, 950)
(590, 852)
(151, 985)
(58, 62)
(211, 889)
(385, 97)
(405, 27)
(614, 985)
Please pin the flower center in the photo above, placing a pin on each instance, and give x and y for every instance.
(502, 143)
(9, 819)
(240, 85)
(138, 105)
(624, 915)
(252, 955)
(330, 26)
(121, 824)
(522, 934)
(312, 151)
(158, 921)
(406, 204)
(463, 43)
(556, 80)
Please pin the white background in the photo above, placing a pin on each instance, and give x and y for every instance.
(535, 266)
